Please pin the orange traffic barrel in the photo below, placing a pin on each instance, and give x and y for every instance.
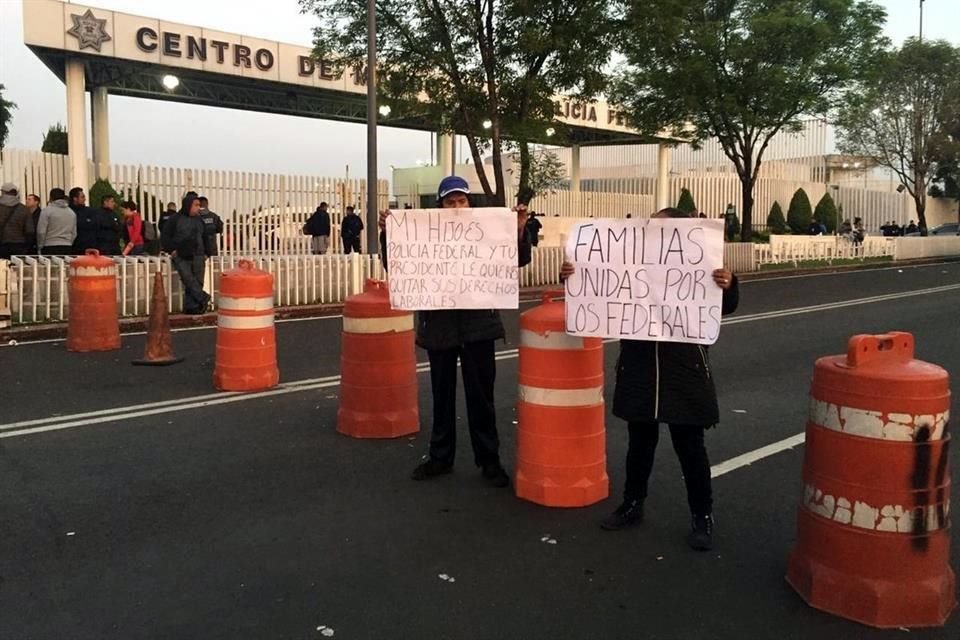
(94, 323)
(873, 533)
(246, 358)
(378, 368)
(561, 441)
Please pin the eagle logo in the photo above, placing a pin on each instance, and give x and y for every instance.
(89, 30)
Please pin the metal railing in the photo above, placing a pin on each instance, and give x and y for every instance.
(36, 286)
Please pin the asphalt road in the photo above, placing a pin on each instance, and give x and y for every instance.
(252, 518)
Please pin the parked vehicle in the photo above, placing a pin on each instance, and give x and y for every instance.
(946, 229)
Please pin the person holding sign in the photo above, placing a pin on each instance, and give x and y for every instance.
(670, 382)
(467, 335)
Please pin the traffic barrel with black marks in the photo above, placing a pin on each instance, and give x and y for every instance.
(378, 368)
(246, 356)
(561, 437)
(873, 529)
(94, 324)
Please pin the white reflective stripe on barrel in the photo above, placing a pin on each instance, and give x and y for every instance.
(901, 427)
(892, 518)
(378, 325)
(550, 340)
(245, 322)
(84, 272)
(562, 397)
(244, 304)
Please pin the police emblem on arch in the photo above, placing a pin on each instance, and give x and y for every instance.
(89, 30)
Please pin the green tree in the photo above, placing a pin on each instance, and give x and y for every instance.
(898, 114)
(775, 220)
(686, 203)
(799, 214)
(488, 70)
(946, 180)
(740, 71)
(6, 115)
(55, 140)
(547, 171)
(826, 213)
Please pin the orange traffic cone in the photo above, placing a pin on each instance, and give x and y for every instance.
(158, 352)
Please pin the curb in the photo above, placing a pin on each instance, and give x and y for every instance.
(179, 321)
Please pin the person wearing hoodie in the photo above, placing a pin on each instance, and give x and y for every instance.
(57, 227)
(182, 238)
(16, 224)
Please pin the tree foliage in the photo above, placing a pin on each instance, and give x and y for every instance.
(55, 140)
(826, 212)
(547, 172)
(686, 202)
(775, 220)
(6, 116)
(899, 114)
(741, 71)
(946, 179)
(799, 214)
(460, 64)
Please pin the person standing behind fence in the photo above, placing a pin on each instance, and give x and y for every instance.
(57, 226)
(350, 231)
(182, 238)
(17, 231)
(212, 227)
(133, 241)
(318, 228)
(166, 215)
(109, 229)
(33, 206)
(533, 229)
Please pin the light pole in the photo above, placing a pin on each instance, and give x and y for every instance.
(372, 215)
(921, 20)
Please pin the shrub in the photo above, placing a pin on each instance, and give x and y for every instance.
(800, 213)
(775, 220)
(55, 140)
(826, 213)
(686, 203)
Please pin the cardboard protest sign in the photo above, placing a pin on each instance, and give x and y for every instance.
(645, 279)
(453, 259)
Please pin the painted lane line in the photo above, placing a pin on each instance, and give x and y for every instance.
(183, 404)
(750, 457)
(845, 272)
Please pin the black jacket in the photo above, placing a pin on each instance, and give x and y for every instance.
(351, 227)
(669, 382)
(318, 224)
(97, 229)
(184, 234)
(212, 226)
(437, 330)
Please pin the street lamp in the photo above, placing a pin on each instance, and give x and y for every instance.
(921, 20)
(372, 214)
(550, 132)
(487, 124)
(385, 110)
(170, 82)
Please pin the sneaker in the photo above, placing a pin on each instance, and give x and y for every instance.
(701, 533)
(430, 468)
(496, 475)
(629, 514)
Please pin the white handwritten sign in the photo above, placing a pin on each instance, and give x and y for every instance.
(645, 279)
(453, 259)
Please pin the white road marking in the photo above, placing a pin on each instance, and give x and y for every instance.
(750, 457)
(842, 272)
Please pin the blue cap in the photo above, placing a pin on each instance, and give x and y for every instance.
(452, 184)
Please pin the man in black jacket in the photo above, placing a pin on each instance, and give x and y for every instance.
(318, 228)
(182, 238)
(468, 336)
(350, 230)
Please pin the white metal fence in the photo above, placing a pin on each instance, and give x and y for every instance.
(37, 285)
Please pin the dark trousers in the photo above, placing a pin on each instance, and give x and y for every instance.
(688, 443)
(191, 272)
(479, 371)
(351, 244)
(8, 249)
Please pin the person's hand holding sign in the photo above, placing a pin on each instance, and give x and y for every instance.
(723, 278)
(566, 271)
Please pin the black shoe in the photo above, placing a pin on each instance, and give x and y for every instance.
(701, 533)
(629, 514)
(496, 475)
(431, 468)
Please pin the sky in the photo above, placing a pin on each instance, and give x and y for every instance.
(181, 135)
